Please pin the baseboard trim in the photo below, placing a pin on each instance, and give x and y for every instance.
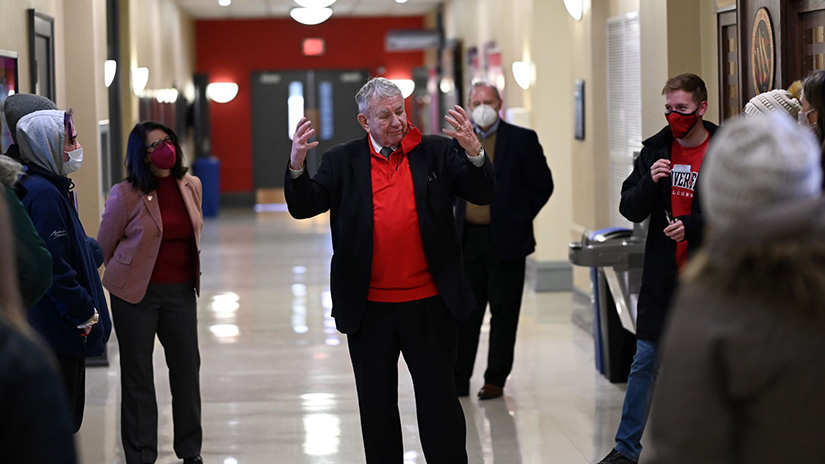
(237, 200)
(549, 276)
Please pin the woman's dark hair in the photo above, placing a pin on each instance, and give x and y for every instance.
(813, 89)
(137, 166)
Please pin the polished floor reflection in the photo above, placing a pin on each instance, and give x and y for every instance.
(277, 384)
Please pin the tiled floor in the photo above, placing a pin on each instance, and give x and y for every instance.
(277, 385)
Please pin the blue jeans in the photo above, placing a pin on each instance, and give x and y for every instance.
(637, 400)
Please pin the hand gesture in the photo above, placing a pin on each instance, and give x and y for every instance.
(463, 132)
(660, 169)
(300, 144)
(676, 230)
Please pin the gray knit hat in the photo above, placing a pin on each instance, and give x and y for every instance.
(21, 104)
(758, 162)
(773, 100)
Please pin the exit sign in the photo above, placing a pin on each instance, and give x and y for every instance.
(314, 46)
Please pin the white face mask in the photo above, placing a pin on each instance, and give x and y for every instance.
(802, 119)
(75, 161)
(484, 115)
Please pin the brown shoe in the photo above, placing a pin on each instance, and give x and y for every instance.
(490, 391)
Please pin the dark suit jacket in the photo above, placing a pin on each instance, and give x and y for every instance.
(343, 186)
(523, 186)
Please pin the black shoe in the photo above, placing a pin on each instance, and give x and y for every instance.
(193, 460)
(490, 391)
(615, 457)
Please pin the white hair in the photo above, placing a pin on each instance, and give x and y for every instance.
(378, 87)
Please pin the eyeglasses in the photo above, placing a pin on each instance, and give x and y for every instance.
(157, 143)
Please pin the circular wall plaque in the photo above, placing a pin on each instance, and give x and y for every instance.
(762, 52)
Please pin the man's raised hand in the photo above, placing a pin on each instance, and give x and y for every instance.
(301, 144)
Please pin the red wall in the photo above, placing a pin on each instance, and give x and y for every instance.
(230, 50)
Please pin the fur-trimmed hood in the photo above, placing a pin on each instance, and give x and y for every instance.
(776, 256)
(9, 171)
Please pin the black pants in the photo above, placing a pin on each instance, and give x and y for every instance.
(170, 311)
(73, 371)
(501, 283)
(425, 332)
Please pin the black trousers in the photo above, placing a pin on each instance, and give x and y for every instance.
(170, 311)
(425, 332)
(501, 283)
(73, 371)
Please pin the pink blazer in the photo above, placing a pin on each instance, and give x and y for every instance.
(131, 231)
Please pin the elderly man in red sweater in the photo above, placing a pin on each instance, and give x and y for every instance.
(397, 281)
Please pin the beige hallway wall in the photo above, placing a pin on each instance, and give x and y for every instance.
(534, 31)
(677, 36)
(163, 40)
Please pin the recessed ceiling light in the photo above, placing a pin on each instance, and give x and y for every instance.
(224, 2)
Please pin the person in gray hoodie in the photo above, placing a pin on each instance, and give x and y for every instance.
(73, 317)
(743, 357)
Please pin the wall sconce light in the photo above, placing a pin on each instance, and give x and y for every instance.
(310, 16)
(167, 95)
(109, 70)
(222, 92)
(140, 77)
(405, 85)
(523, 71)
(575, 8)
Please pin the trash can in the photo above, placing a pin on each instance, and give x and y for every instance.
(208, 170)
(615, 256)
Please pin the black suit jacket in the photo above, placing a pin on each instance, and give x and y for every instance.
(523, 185)
(343, 186)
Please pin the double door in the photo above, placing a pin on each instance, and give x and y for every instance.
(280, 99)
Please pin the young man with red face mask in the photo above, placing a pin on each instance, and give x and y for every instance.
(662, 187)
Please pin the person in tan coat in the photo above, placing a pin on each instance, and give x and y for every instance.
(150, 236)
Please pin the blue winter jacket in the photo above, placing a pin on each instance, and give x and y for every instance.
(76, 289)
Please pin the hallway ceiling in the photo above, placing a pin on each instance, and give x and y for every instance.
(209, 9)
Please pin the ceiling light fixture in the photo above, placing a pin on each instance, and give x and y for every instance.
(224, 2)
(315, 3)
(310, 16)
(400, 1)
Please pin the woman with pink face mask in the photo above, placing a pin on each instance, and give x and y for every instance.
(150, 236)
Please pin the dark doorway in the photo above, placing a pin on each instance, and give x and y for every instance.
(41, 54)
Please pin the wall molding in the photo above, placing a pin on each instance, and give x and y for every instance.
(549, 276)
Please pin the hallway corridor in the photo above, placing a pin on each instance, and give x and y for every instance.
(277, 384)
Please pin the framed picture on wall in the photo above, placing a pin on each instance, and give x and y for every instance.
(8, 86)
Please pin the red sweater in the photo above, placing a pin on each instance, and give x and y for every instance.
(399, 266)
(176, 258)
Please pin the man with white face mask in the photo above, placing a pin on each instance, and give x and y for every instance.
(496, 239)
(73, 316)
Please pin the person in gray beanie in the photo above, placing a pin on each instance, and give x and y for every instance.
(743, 352)
(15, 108)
